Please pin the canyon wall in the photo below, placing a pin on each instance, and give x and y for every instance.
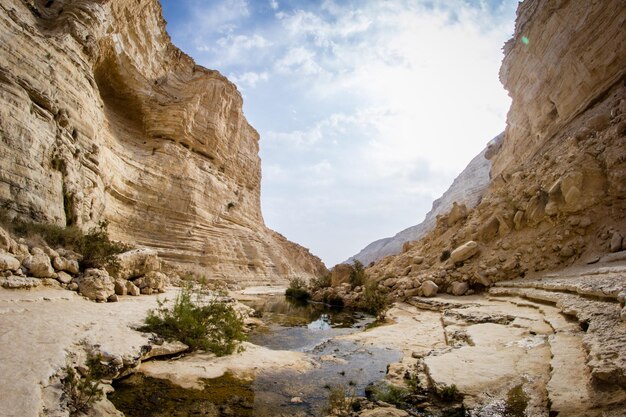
(101, 117)
(558, 191)
(467, 189)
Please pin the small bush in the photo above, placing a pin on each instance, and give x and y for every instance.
(323, 281)
(516, 402)
(445, 255)
(80, 393)
(357, 275)
(341, 401)
(390, 394)
(202, 323)
(375, 300)
(97, 249)
(297, 290)
(449, 393)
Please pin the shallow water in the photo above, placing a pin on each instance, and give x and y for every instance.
(308, 328)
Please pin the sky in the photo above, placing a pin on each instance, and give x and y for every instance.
(367, 109)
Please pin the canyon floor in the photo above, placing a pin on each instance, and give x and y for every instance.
(557, 336)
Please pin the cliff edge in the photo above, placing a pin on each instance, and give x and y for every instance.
(103, 118)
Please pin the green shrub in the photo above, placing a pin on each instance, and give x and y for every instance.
(297, 290)
(445, 255)
(198, 321)
(375, 300)
(357, 274)
(80, 393)
(341, 401)
(449, 393)
(318, 283)
(97, 249)
(390, 394)
(516, 402)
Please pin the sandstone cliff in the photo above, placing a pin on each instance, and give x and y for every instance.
(101, 117)
(558, 191)
(467, 189)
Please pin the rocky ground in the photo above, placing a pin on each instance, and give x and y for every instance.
(558, 340)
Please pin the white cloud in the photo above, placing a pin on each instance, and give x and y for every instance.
(367, 110)
(248, 79)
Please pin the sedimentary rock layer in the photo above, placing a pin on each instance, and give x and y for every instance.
(103, 118)
(558, 187)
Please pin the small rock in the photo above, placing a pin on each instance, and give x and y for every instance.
(112, 298)
(120, 287)
(62, 264)
(146, 290)
(384, 412)
(465, 251)
(459, 288)
(616, 242)
(8, 263)
(296, 400)
(38, 265)
(72, 286)
(132, 289)
(418, 260)
(96, 284)
(64, 277)
(428, 288)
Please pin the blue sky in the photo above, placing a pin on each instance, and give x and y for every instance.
(367, 110)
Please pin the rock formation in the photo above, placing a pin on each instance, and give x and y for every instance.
(466, 189)
(557, 194)
(103, 118)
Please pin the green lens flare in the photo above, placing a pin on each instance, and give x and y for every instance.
(525, 40)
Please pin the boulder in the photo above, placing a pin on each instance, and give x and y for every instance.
(64, 277)
(154, 280)
(96, 284)
(340, 274)
(138, 262)
(120, 287)
(63, 264)
(457, 212)
(428, 289)
(616, 242)
(8, 262)
(147, 290)
(15, 282)
(463, 252)
(132, 289)
(459, 288)
(6, 243)
(38, 265)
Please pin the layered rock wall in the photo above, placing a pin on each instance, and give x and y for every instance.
(101, 117)
(557, 195)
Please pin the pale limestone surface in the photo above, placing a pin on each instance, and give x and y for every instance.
(106, 119)
(188, 371)
(40, 327)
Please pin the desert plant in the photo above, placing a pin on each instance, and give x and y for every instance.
(97, 249)
(390, 394)
(80, 393)
(449, 393)
(357, 274)
(199, 321)
(323, 281)
(375, 300)
(341, 401)
(445, 255)
(297, 290)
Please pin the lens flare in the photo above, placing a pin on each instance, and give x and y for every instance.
(525, 40)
